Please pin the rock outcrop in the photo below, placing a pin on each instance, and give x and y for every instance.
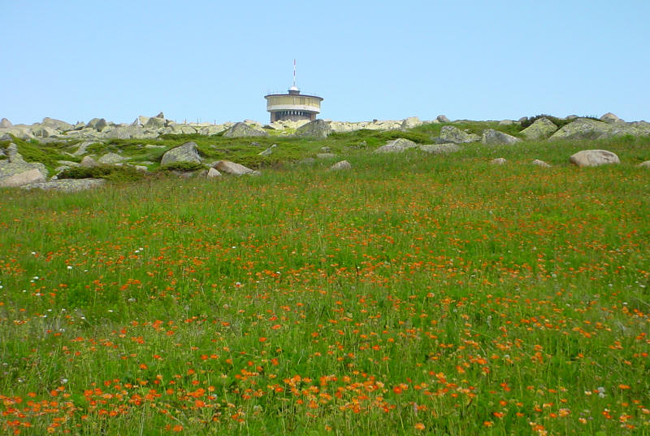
(243, 130)
(594, 158)
(315, 129)
(542, 128)
(588, 129)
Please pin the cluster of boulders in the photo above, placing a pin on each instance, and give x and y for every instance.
(97, 129)
(14, 171)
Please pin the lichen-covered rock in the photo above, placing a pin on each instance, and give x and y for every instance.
(443, 119)
(111, 159)
(232, 168)
(315, 129)
(610, 118)
(88, 162)
(67, 185)
(213, 173)
(97, 124)
(339, 166)
(541, 163)
(13, 155)
(155, 123)
(457, 136)
(5, 124)
(587, 129)
(645, 164)
(411, 122)
(439, 148)
(15, 171)
(243, 130)
(83, 147)
(188, 152)
(23, 178)
(59, 125)
(494, 137)
(594, 158)
(396, 146)
(268, 151)
(498, 161)
(542, 128)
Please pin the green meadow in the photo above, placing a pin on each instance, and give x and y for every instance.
(413, 294)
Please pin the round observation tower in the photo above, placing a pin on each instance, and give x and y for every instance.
(293, 105)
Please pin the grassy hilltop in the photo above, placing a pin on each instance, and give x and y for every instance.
(414, 294)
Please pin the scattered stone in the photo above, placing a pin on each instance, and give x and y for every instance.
(411, 122)
(188, 152)
(111, 159)
(594, 158)
(498, 161)
(232, 168)
(88, 162)
(325, 155)
(542, 128)
(315, 129)
(443, 119)
(213, 173)
(268, 151)
(610, 118)
(24, 178)
(396, 146)
(506, 122)
(494, 137)
(440, 148)
(243, 130)
(5, 124)
(457, 136)
(141, 168)
(541, 163)
(586, 129)
(645, 164)
(67, 185)
(343, 165)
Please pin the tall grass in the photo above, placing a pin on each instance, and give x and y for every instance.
(415, 293)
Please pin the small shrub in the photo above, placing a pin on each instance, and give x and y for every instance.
(108, 172)
(559, 122)
(182, 166)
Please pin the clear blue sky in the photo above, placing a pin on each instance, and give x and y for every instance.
(215, 60)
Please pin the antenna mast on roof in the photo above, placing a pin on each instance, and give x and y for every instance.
(294, 73)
